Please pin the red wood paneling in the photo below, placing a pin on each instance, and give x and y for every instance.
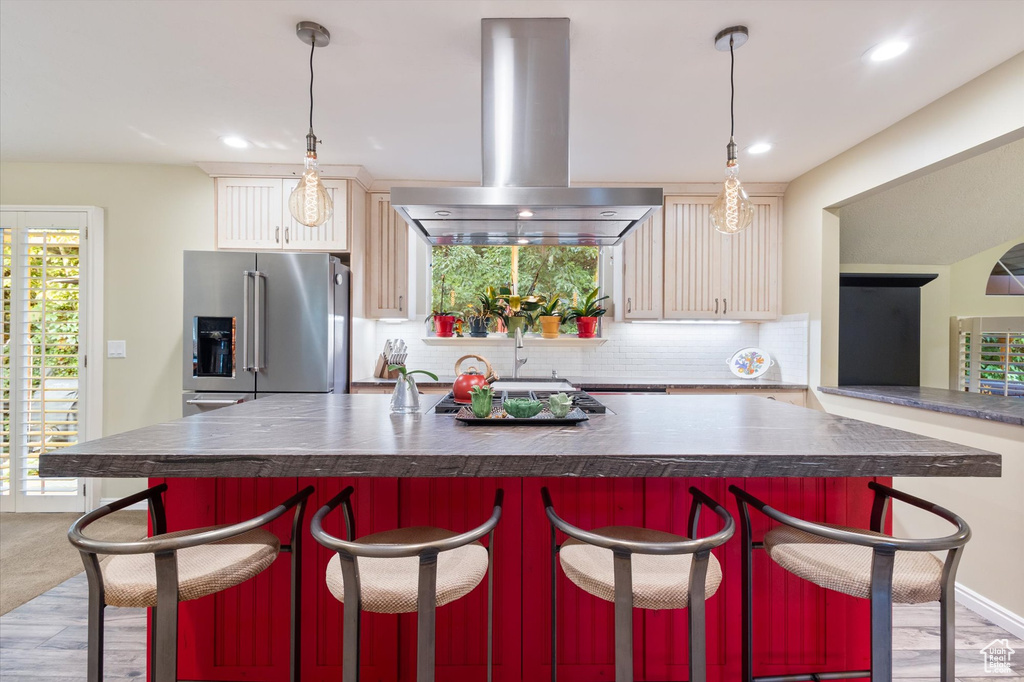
(461, 504)
(242, 634)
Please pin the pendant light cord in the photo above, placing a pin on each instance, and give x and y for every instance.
(732, 91)
(311, 49)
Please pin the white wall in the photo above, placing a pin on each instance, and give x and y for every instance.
(152, 214)
(987, 112)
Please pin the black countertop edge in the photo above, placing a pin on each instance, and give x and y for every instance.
(612, 384)
(994, 408)
(511, 466)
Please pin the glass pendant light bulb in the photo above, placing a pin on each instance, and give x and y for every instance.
(310, 203)
(732, 211)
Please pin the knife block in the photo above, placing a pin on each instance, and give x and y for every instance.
(381, 370)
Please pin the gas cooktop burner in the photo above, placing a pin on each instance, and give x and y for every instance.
(580, 399)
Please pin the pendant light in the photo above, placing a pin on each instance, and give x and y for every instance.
(309, 203)
(732, 211)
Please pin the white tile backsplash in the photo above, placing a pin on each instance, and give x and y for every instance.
(675, 351)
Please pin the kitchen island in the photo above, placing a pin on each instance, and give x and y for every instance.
(632, 465)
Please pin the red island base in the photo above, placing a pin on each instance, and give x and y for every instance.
(242, 633)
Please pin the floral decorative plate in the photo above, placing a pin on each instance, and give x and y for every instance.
(750, 363)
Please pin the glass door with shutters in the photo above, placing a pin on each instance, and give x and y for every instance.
(41, 382)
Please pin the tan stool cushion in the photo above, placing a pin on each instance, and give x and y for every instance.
(846, 568)
(659, 582)
(391, 585)
(130, 579)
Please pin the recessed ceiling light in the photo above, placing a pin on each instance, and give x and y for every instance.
(235, 141)
(759, 148)
(887, 50)
(526, 214)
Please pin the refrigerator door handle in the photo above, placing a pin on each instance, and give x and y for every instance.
(208, 401)
(246, 298)
(258, 315)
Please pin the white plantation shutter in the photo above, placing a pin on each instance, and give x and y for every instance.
(991, 355)
(40, 380)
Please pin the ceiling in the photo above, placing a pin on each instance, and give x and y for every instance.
(940, 218)
(398, 89)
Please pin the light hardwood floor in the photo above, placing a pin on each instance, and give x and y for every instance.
(45, 639)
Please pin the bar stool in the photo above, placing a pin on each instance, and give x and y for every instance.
(861, 563)
(405, 570)
(671, 572)
(168, 568)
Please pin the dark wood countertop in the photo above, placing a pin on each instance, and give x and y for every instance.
(647, 436)
(991, 407)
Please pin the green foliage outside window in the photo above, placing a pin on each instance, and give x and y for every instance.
(544, 270)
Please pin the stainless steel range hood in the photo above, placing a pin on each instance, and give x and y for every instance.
(525, 197)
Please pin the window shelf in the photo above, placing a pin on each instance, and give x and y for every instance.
(563, 341)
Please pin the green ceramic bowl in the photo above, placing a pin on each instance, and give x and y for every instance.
(523, 408)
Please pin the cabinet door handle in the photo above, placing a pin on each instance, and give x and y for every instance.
(629, 305)
(725, 305)
(400, 303)
(286, 232)
(277, 235)
(716, 306)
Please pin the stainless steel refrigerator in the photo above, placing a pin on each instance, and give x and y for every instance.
(256, 324)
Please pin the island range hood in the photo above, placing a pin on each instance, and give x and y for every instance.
(525, 197)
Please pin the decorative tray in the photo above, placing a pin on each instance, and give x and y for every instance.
(499, 418)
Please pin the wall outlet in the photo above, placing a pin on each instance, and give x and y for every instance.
(116, 349)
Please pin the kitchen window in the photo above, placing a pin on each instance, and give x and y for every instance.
(43, 385)
(546, 270)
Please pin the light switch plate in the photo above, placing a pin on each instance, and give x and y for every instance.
(116, 349)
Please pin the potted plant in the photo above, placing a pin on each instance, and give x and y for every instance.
(444, 320)
(519, 311)
(406, 397)
(550, 315)
(585, 313)
(480, 315)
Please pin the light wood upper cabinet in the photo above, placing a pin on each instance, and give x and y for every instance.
(387, 260)
(709, 275)
(693, 255)
(249, 213)
(642, 270)
(333, 235)
(252, 213)
(751, 264)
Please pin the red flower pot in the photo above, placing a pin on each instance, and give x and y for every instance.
(444, 325)
(587, 327)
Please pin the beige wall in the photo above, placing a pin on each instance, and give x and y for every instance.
(985, 112)
(969, 277)
(152, 214)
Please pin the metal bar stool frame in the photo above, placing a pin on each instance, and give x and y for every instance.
(622, 551)
(426, 596)
(883, 559)
(163, 644)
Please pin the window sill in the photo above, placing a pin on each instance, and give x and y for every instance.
(563, 341)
